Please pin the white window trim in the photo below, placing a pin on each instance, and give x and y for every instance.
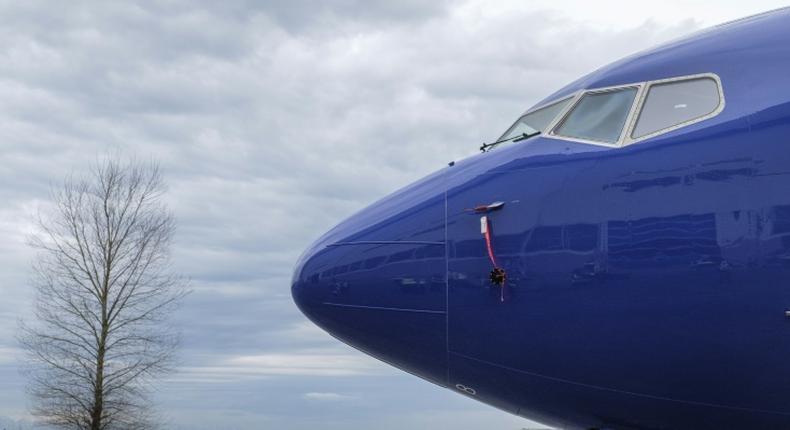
(561, 114)
(633, 114)
(628, 137)
(574, 98)
(551, 103)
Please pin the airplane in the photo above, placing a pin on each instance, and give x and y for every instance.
(618, 259)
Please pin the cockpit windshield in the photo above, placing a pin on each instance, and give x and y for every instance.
(535, 121)
(599, 116)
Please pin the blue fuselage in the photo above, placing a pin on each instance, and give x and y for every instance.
(647, 285)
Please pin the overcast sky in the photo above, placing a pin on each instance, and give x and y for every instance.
(273, 120)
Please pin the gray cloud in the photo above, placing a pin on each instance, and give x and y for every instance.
(327, 397)
(272, 120)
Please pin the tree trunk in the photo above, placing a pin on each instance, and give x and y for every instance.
(98, 392)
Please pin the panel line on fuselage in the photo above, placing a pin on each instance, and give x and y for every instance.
(619, 391)
(386, 242)
(379, 308)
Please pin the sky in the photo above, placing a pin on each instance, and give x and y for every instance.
(273, 121)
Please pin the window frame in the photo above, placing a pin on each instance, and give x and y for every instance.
(629, 139)
(626, 125)
(637, 105)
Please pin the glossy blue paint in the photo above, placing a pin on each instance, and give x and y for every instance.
(647, 285)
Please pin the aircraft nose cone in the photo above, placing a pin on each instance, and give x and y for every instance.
(377, 281)
(306, 288)
(387, 300)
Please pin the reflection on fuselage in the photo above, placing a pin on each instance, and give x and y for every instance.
(583, 252)
(391, 268)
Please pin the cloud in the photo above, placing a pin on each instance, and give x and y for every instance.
(319, 363)
(327, 397)
(7, 423)
(9, 355)
(299, 16)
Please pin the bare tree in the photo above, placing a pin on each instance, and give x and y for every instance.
(105, 291)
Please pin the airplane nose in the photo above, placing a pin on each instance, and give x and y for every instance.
(385, 299)
(314, 275)
(378, 281)
(306, 286)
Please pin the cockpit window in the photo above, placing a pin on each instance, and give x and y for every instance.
(536, 120)
(599, 116)
(674, 103)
